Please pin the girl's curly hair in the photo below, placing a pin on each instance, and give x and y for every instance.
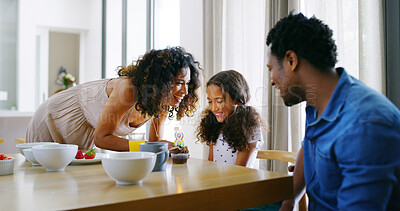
(240, 126)
(153, 76)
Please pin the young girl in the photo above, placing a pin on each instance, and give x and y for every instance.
(230, 128)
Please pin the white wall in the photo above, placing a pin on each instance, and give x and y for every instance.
(40, 17)
(63, 51)
(12, 127)
(167, 24)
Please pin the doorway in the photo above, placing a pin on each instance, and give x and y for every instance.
(63, 54)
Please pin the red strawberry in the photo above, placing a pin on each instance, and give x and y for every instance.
(4, 157)
(90, 154)
(79, 155)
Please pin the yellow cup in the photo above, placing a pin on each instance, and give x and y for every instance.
(134, 146)
(134, 140)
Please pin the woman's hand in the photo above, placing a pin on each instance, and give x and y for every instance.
(170, 144)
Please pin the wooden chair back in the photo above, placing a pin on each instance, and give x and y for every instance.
(277, 155)
(20, 140)
(287, 157)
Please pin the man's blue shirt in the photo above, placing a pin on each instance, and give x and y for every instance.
(352, 152)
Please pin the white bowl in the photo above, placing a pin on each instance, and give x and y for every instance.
(23, 146)
(29, 156)
(55, 157)
(128, 168)
(7, 166)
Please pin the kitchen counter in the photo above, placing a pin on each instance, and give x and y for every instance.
(10, 113)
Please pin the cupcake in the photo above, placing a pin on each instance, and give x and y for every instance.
(180, 155)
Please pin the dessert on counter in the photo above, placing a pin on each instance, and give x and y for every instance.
(180, 155)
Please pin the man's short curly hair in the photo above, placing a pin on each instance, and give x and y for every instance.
(153, 76)
(309, 38)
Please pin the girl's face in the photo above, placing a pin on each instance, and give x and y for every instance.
(219, 106)
(180, 87)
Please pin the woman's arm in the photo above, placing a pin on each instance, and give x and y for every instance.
(119, 102)
(244, 155)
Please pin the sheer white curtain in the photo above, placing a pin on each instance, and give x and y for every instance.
(286, 125)
(358, 31)
(234, 39)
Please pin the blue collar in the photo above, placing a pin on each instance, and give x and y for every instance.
(336, 102)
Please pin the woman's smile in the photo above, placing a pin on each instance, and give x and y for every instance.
(178, 99)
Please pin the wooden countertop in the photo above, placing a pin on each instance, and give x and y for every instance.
(197, 185)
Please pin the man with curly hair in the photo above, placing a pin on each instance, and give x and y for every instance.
(159, 84)
(351, 148)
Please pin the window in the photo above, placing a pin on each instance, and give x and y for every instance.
(8, 52)
(166, 23)
(167, 33)
(128, 35)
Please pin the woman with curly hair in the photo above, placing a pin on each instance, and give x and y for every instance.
(230, 127)
(159, 84)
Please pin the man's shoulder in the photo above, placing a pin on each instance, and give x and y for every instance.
(366, 104)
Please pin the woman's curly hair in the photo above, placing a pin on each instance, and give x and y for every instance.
(241, 125)
(308, 37)
(153, 76)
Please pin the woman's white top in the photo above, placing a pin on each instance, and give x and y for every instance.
(71, 116)
(222, 153)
